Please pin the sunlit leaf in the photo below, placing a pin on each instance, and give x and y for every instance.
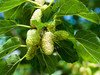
(6, 25)
(88, 46)
(9, 4)
(9, 46)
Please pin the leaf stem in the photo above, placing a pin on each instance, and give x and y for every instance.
(51, 3)
(35, 3)
(22, 57)
(23, 45)
(19, 25)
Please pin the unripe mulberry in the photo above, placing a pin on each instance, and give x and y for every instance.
(88, 71)
(33, 38)
(97, 72)
(82, 71)
(31, 52)
(12, 59)
(92, 65)
(61, 35)
(36, 16)
(85, 71)
(75, 69)
(69, 65)
(51, 26)
(47, 43)
(40, 1)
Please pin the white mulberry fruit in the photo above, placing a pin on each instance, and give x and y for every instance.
(48, 43)
(33, 38)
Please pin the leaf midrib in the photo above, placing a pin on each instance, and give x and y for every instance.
(87, 50)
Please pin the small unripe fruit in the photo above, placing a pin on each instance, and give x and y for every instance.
(51, 26)
(36, 16)
(48, 43)
(97, 72)
(88, 71)
(82, 71)
(12, 59)
(40, 1)
(33, 38)
(75, 69)
(85, 71)
(92, 65)
(61, 35)
(31, 52)
(69, 65)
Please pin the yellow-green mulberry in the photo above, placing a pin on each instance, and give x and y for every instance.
(61, 35)
(31, 52)
(33, 38)
(36, 16)
(48, 43)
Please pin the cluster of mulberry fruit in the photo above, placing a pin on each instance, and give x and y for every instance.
(46, 41)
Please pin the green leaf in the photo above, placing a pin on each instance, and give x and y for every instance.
(21, 13)
(93, 17)
(9, 46)
(14, 12)
(69, 7)
(9, 4)
(39, 25)
(65, 47)
(48, 15)
(64, 25)
(6, 25)
(34, 62)
(3, 40)
(66, 51)
(85, 1)
(44, 63)
(8, 69)
(74, 7)
(49, 61)
(28, 10)
(88, 46)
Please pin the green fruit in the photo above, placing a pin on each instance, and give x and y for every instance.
(12, 59)
(97, 72)
(88, 71)
(47, 43)
(85, 71)
(61, 35)
(31, 52)
(51, 26)
(82, 71)
(75, 69)
(40, 1)
(33, 38)
(92, 65)
(69, 65)
(36, 16)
